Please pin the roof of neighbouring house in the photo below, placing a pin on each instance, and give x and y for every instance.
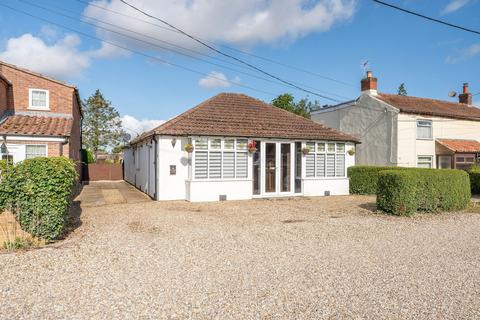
(233, 114)
(36, 125)
(460, 145)
(431, 107)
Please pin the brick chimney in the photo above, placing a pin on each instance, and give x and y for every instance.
(465, 97)
(369, 84)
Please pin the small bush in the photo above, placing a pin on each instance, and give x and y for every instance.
(38, 192)
(474, 174)
(404, 192)
(364, 179)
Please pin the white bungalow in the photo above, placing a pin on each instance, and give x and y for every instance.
(234, 147)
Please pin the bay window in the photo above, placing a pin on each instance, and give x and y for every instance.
(217, 158)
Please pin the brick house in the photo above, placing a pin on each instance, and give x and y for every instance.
(408, 131)
(39, 116)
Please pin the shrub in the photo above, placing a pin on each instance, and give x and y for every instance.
(404, 192)
(474, 174)
(364, 179)
(38, 192)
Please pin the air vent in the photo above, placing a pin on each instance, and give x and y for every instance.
(222, 197)
(327, 193)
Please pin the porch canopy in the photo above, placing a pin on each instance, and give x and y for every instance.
(460, 145)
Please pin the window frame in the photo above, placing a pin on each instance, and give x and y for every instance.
(36, 145)
(326, 152)
(425, 156)
(222, 150)
(431, 128)
(30, 99)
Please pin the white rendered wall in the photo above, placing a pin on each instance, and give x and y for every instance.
(409, 147)
(211, 190)
(317, 187)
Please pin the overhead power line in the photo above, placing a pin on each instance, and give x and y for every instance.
(289, 66)
(165, 48)
(163, 61)
(228, 55)
(425, 17)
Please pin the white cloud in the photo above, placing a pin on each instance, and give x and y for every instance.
(62, 59)
(241, 22)
(217, 79)
(466, 54)
(134, 126)
(454, 5)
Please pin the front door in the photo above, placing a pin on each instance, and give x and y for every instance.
(270, 167)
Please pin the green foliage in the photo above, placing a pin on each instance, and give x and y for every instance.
(18, 243)
(87, 156)
(364, 179)
(302, 108)
(101, 125)
(38, 192)
(4, 166)
(474, 174)
(404, 192)
(402, 91)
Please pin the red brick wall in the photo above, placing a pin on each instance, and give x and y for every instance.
(3, 96)
(60, 96)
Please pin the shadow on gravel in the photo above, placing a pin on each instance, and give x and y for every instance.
(370, 206)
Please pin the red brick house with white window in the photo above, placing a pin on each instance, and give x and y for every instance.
(39, 116)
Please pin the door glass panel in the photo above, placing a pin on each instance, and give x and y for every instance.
(270, 167)
(286, 167)
(298, 167)
(256, 169)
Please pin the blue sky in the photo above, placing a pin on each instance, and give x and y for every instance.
(330, 38)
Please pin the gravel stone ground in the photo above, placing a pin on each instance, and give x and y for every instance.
(302, 258)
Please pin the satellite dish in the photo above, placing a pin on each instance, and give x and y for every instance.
(127, 137)
(452, 94)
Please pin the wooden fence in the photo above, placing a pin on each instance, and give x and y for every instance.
(102, 171)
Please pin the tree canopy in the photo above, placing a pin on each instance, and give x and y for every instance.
(101, 125)
(303, 107)
(402, 90)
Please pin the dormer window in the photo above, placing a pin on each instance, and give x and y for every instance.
(38, 99)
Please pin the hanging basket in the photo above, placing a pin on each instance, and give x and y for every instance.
(189, 147)
(351, 152)
(252, 146)
(305, 151)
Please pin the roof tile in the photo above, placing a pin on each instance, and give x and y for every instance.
(460, 145)
(231, 114)
(36, 126)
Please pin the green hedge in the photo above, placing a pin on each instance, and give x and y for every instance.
(404, 192)
(38, 192)
(364, 179)
(475, 180)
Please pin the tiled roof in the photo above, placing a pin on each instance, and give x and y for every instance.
(231, 114)
(36, 126)
(460, 145)
(431, 107)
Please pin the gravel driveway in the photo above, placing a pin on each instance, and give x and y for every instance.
(263, 259)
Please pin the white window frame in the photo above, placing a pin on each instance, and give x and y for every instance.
(431, 128)
(30, 100)
(325, 153)
(425, 156)
(37, 144)
(222, 151)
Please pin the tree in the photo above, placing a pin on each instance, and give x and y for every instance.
(101, 125)
(402, 91)
(302, 108)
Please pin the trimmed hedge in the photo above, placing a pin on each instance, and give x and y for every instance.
(474, 174)
(38, 192)
(364, 179)
(404, 192)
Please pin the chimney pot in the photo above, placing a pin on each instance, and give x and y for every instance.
(369, 84)
(465, 97)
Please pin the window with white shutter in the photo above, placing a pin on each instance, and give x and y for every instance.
(310, 165)
(217, 158)
(320, 165)
(325, 160)
(340, 165)
(330, 165)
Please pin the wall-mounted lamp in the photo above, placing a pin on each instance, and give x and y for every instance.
(174, 142)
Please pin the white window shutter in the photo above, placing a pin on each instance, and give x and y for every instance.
(201, 164)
